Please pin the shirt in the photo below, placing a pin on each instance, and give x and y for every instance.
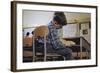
(54, 38)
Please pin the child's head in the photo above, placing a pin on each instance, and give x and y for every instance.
(59, 19)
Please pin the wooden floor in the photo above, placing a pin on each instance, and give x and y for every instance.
(29, 57)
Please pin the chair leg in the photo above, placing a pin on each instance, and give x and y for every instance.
(64, 58)
(33, 50)
(44, 48)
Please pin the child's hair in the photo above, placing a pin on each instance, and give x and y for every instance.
(61, 17)
(57, 19)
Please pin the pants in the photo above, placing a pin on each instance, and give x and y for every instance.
(66, 52)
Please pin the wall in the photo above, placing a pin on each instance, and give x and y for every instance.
(34, 18)
(87, 34)
(5, 38)
(70, 30)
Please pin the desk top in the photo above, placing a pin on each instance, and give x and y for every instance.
(76, 39)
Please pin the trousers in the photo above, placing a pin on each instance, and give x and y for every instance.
(65, 52)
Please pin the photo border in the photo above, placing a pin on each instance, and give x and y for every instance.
(14, 34)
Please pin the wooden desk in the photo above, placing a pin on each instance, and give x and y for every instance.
(81, 45)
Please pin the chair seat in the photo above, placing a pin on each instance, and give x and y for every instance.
(52, 54)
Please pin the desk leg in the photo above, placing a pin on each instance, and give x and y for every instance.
(87, 54)
(81, 48)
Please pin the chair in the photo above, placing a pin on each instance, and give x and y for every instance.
(27, 42)
(42, 31)
(27, 49)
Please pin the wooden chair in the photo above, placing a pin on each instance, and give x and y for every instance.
(27, 49)
(43, 31)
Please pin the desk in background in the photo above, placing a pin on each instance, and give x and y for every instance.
(81, 45)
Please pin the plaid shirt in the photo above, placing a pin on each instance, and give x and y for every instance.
(53, 37)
